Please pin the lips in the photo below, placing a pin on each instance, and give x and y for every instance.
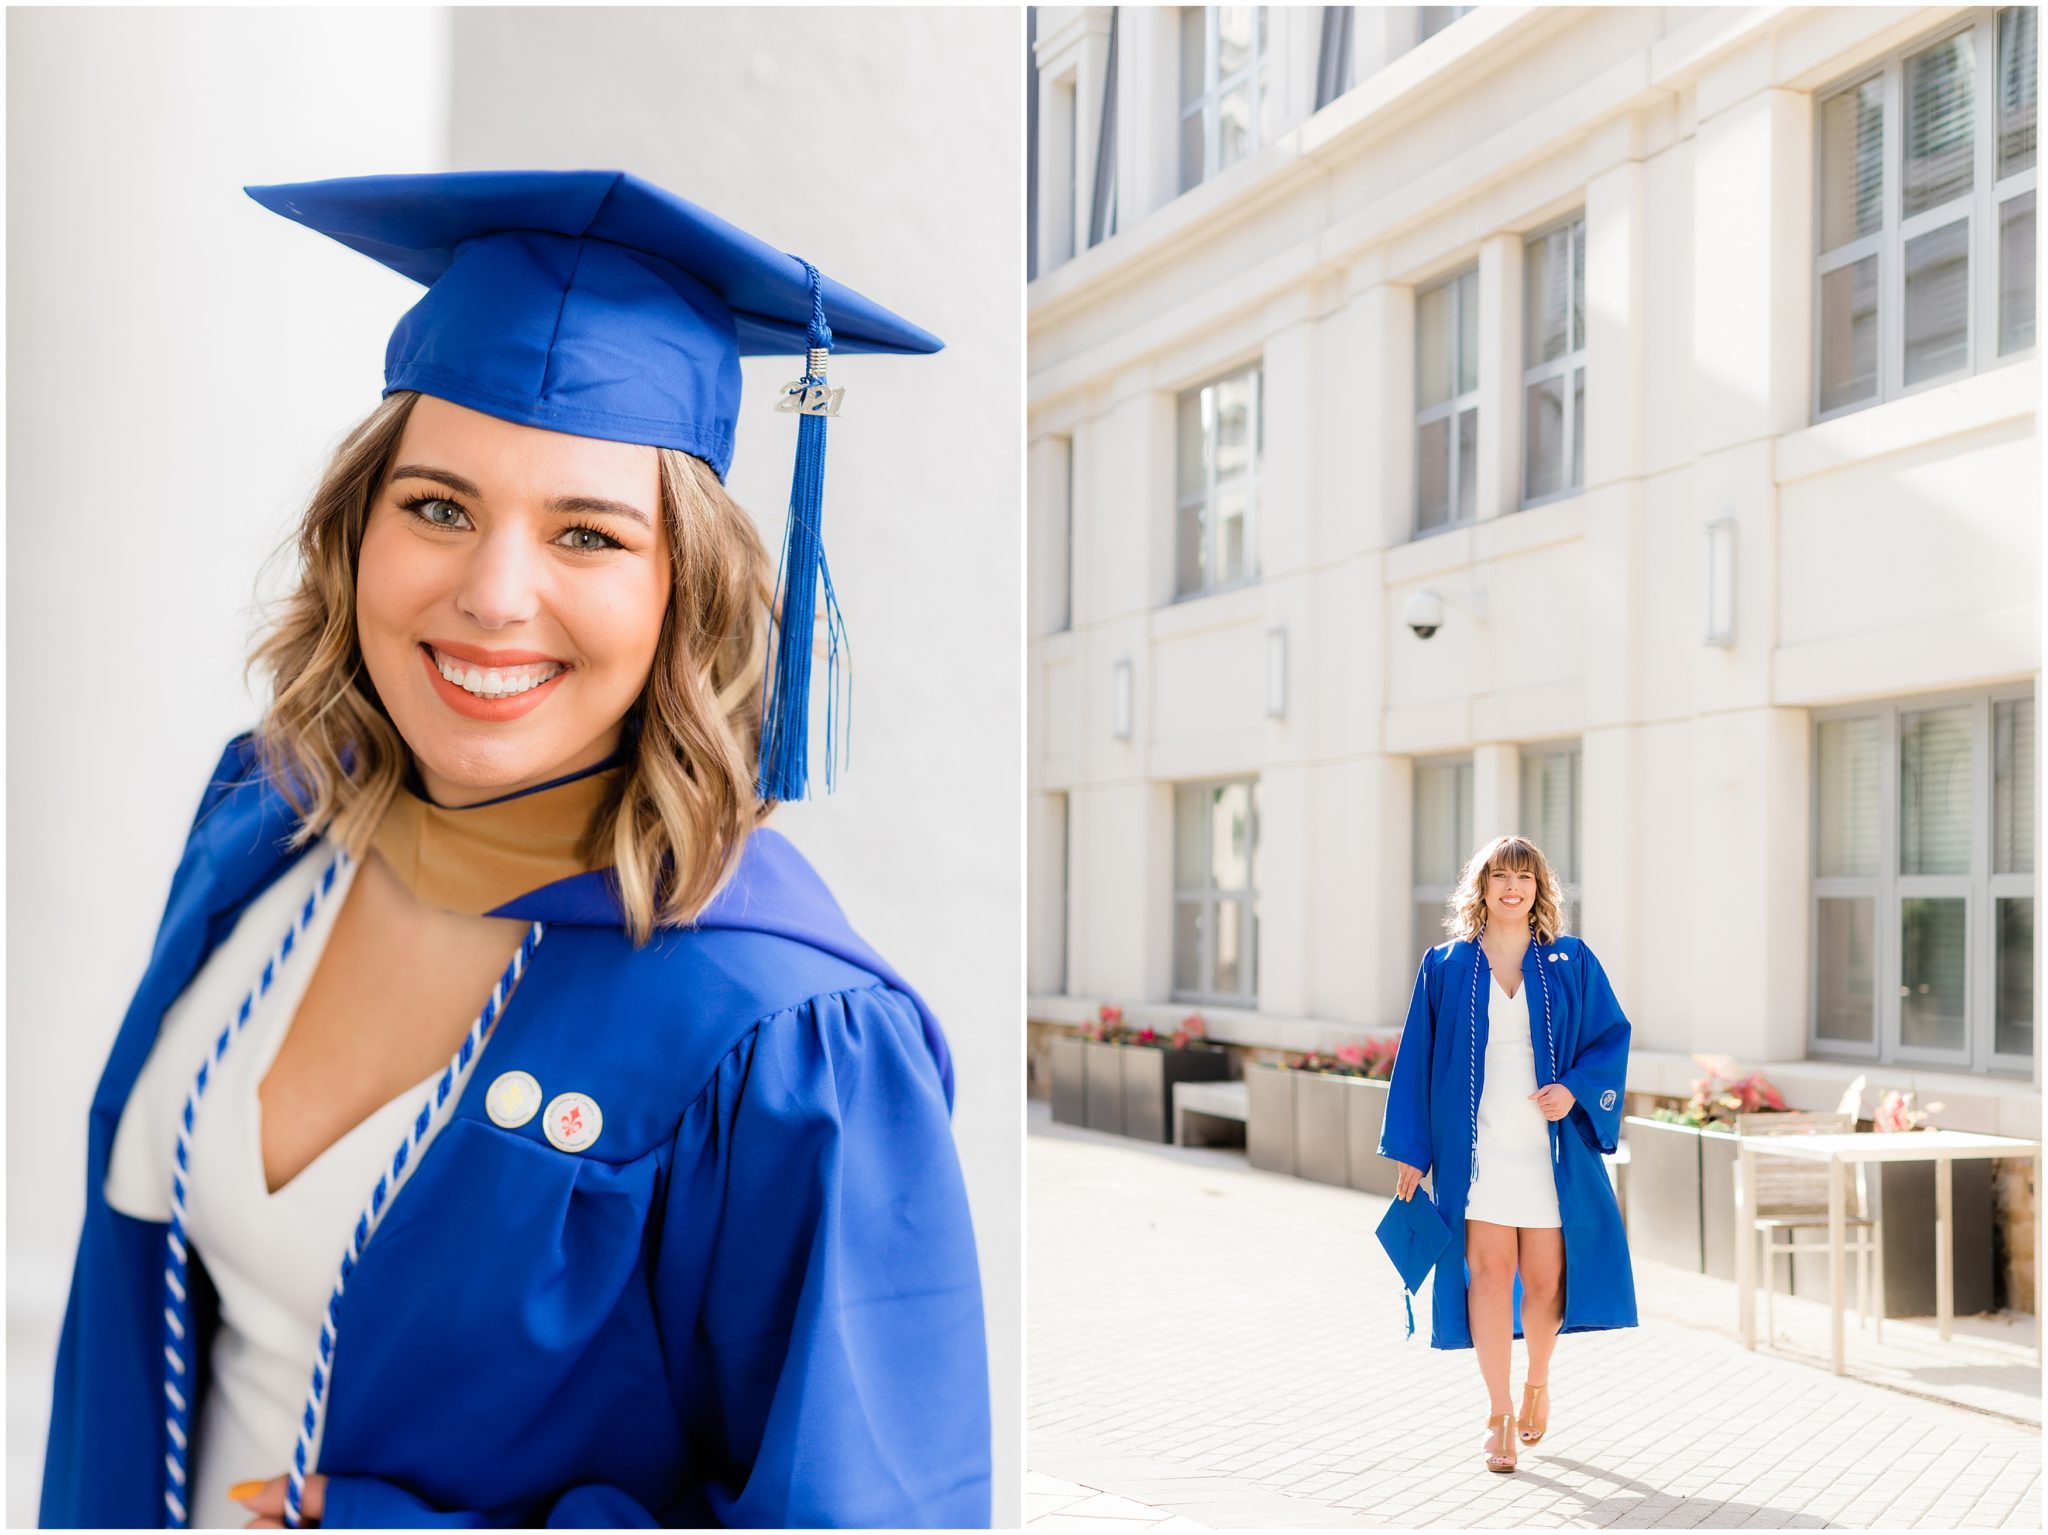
(509, 706)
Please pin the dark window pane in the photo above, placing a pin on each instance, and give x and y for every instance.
(1931, 964)
(1578, 284)
(1230, 966)
(2013, 778)
(2017, 86)
(1191, 559)
(1849, 757)
(1578, 473)
(2013, 1032)
(1848, 334)
(1230, 836)
(1191, 167)
(1432, 474)
(1187, 946)
(1190, 860)
(1194, 25)
(1851, 163)
(2016, 274)
(1848, 971)
(1429, 926)
(1543, 439)
(1433, 344)
(1934, 791)
(1546, 303)
(1939, 150)
(1468, 331)
(1468, 464)
(1938, 301)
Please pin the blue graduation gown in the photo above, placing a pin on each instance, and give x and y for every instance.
(1439, 1073)
(754, 1301)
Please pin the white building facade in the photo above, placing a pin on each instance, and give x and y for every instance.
(1614, 425)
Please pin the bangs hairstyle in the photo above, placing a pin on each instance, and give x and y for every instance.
(673, 829)
(1517, 855)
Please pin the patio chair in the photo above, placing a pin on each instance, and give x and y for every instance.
(1792, 1197)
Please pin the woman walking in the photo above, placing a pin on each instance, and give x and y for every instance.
(1508, 1085)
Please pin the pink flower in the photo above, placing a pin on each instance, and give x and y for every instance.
(1194, 1025)
(1180, 1039)
(1147, 1034)
(1351, 1055)
(1111, 1014)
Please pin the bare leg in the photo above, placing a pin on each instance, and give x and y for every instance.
(1490, 1308)
(1542, 1263)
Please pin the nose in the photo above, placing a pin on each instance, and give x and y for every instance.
(500, 585)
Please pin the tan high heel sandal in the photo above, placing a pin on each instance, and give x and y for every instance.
(1533, 1435)
(1502, 1459)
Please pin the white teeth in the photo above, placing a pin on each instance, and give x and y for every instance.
(503, 682)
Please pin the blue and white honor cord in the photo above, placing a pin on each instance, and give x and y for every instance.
(176, 1310)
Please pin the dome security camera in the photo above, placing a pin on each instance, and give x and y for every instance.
(1424, 613)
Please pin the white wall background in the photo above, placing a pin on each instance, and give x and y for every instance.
(180, 362)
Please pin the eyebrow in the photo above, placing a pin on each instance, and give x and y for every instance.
(597, 504)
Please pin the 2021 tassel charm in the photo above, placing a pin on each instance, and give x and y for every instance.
(785, 705)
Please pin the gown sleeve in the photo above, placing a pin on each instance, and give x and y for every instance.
(1598, 1077)
(1404, 1131)
(816, 1293)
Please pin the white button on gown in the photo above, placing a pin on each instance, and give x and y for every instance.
(1516, 1186)
(273, 1258)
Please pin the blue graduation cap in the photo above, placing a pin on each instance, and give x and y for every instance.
(1414, 1233)
(598, 304)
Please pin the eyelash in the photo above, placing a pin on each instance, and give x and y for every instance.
(413, 504)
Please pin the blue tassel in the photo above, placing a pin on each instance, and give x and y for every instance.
(1408, 1304)
(785, 704)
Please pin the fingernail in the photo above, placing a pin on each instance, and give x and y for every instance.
(243, 1490)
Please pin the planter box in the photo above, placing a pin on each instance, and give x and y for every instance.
(1070, 1080)
(1664, 1193)
(1371, 1173)
(1318, 1125)
(1149, 1077)
(1269, 1118)
(1105, 1087)
(1322, 1144)
(1126, 1089)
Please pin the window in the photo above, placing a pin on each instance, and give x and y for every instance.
(1216, 903)
(1923, 882)
(1226, 101)
(1447, 402)
(1220, 442)
(1432, 19)
(1554, 361)
(1443, 841)
(1925, 216)
(1551, 818)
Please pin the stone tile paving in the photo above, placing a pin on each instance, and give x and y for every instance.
(1223, 1346)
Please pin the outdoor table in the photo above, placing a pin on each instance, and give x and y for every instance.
(1938, 1146)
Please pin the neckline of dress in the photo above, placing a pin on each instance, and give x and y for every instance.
(1493, 978)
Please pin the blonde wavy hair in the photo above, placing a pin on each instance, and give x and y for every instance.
(1466, 917)
(674, 827)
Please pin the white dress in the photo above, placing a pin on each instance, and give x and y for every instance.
(273, 1257)
(1516, 1185)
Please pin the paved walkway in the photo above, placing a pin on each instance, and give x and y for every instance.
(1215, 1347)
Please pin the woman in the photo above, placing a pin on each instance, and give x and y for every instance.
(1508, 1083)
(692, 1247)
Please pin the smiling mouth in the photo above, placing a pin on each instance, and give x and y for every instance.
(493, 681)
